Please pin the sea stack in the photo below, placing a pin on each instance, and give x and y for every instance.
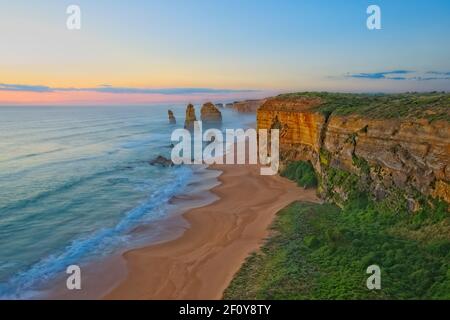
(219, 105)
(172, 119)
(210, 114)
(190, 117)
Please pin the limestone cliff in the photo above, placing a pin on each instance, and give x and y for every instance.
(210, 114)
(190, 117)
(391, 146)
(248, 106)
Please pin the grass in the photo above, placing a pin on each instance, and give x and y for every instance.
(322, 252)
(431, 106)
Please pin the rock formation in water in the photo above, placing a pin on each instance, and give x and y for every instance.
(190, 117)
(229, 105)
(161, 161)
(389, 142)
(210, 114)
(219, 105)
(172, 119)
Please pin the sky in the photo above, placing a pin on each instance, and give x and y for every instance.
(155, 51)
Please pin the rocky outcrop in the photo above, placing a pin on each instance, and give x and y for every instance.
(161, 161)
(297, 123)
(210, 114)
(190, 117)
(248, 106)
(219, 105)
(442, 190)
(406, 153)
(229, 105)
(172, 119)
(399, 153)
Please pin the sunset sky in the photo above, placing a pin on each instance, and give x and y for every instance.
(143, 52)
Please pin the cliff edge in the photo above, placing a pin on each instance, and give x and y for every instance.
(388, 145)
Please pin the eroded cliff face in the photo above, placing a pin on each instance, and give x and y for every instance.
(386, 154)
(248, 106)
(297, 124)
(404, 154)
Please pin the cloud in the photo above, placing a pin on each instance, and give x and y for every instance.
(429, 78)
(106, 88)
(439, 73)
(382, 75)
(401, 75)
(21, 87)
(165, 91)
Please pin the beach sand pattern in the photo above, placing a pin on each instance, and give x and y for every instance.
(201, 263)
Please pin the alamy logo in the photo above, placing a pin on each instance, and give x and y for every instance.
(73, 282)
(374, 281)
(190, 147)
(374, 20)
(74, 19)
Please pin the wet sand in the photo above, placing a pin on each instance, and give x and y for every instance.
(201, 262)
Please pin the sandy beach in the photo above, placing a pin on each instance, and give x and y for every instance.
(202, 261)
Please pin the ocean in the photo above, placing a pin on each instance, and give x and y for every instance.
(76, 181)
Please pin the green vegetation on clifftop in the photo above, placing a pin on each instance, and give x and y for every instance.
(432, 106)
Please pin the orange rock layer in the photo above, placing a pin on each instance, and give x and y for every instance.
(407, 154)
(248, 106)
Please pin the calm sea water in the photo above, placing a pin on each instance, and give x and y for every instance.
(75, 181)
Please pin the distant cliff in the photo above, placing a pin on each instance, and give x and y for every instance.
(388, 145)
(247, 106)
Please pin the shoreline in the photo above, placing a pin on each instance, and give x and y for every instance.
(201, 262)
(103, 275)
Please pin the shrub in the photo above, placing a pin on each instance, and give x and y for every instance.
(311, 242)
(322, 252)
(301, 172)
(361, 163)
(324, 157)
